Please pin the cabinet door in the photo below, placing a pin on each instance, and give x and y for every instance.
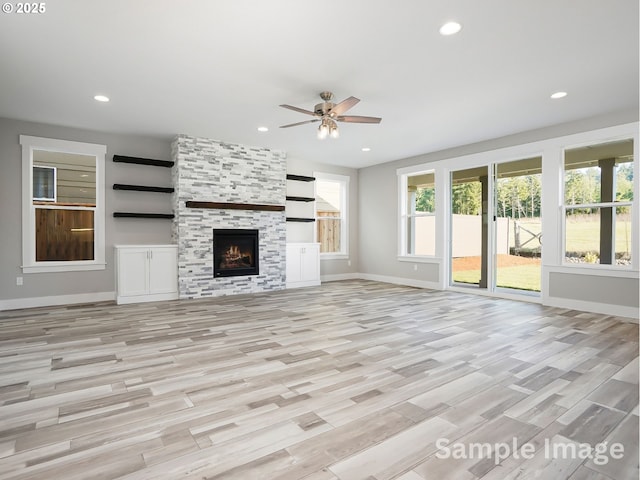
(163, 270)
(310, 263)
(133, 272)
(293, 263)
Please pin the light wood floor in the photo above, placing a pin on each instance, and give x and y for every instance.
(348, 380)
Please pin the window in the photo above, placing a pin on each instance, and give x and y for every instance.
(44, 183)
(417, 214)
(62, 205)
(598, 199)
(332, 192)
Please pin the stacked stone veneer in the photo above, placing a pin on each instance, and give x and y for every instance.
(212, 171)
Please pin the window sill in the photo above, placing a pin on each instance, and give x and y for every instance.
(334, 256)
(62, 267)
(419, 259)
(596, 270)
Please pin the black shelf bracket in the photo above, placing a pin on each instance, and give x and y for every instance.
(142, 188)
(301, 199)
(300, 178)
(143, 161)
(142, 215)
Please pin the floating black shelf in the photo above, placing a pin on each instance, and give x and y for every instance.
(142, 215)
(142, 188)
(299, 219)
(301, 199)
(143, 161)
(300, 178)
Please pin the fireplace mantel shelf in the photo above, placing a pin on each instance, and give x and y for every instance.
(234, 206)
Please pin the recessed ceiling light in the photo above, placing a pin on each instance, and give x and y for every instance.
(263, 129)
(366, 149)
(559, 95)
(450, 28)
(101, 98)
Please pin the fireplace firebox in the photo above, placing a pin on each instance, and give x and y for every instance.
(235, 252)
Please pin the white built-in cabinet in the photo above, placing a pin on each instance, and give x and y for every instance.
(146, 273)
(303, 264)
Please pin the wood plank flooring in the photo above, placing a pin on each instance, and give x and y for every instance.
(349, 380)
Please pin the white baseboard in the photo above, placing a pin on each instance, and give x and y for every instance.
(630, 313)
(308, 283)
(409, 282)
(336, 277)
(124, 299)
(16, 303)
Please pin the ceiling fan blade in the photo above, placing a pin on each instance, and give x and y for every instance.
(299, 123)
(297, 109)
(358, 119)
(344, 105)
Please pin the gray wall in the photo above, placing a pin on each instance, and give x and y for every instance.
(301, 232)
(117, 230)
(378, 222)
(592, 288)
(372, 209)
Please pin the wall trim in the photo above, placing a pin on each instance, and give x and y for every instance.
(631, 314)
(336, 277)
(56, 300)
(409, 282)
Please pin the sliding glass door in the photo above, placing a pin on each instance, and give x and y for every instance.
(469, 234)
(518, 227)
(496, 229)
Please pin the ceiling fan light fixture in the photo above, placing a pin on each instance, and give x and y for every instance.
(323, 130)
(328, 114)
(333, 130)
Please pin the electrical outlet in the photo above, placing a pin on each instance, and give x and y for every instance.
(415, 267)
(19, 280)
(348, 263)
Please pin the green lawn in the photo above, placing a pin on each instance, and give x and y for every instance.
(583, 234)
(522, 277)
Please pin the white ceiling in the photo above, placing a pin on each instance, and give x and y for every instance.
(219, 69)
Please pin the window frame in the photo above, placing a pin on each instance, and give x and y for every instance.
(633, 204)
(343, 181)
(404, 215)
(29, 262)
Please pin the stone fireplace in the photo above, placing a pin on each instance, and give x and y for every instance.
(217, 187)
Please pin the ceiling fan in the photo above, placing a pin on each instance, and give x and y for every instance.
(328, 113)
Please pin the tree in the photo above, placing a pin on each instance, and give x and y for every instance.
(425, 199)
(466, 198)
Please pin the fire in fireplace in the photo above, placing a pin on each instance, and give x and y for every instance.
(235, 252)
